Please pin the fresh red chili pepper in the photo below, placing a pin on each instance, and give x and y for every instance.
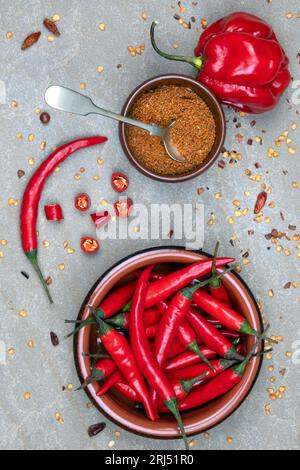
(122, 320)
(211, 336)
(240, 59)
(126, 390)
(187, 358)
(119, 182)
(171, 283)
(183, 387)
(216, 387)
(145, 358)
(231, 335)
(175, 348)
(89, 245)
(117, 346)
(216, 287)
(32, 195)
(123, 207)
(100, 219)
(53, 212)
(226, 315)
(116, 300)
(110, 382)
(197, 369)
(170, 324)
(82, 202)
(100, 371)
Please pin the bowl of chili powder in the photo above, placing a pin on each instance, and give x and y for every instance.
(198, 132)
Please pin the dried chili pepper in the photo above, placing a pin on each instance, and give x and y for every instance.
(171, 283)
(51, 26)
(32, 195)
(260, 202)
(153, 373)
(89, 245)
(94, 429)
(53, 212)
(30, 40)
(82, 202)
(100, 219)
(123, 207)
(212, 337)
(117, 346)
(119, 182)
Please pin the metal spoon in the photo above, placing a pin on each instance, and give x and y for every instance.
(65, 99)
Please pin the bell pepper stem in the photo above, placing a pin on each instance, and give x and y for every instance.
(32, 256)
(173, 407)
(197, 62)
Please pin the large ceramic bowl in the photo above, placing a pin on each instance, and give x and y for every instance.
(121, 410)
(210, 100)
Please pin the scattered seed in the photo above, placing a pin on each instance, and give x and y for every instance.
(23, 313)
(45, 117)
(102, 26)
(27, 395)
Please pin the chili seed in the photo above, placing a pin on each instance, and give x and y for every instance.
(23, 313)
(45, 117)
(27, 395)
(95, 429)
(54, 339)
(20, 173)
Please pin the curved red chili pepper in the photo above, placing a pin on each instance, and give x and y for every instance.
(100, 371)
(126, 390)
(116, 300)
(117, 346)
(110, 382)
(141, 347)
(226, 315)
(187, 358)
(211, 336)
(171, 283)
(195, 370)
(183, 387)
(32, 194)
(53, 212)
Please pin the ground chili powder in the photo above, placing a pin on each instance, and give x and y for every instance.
(193, 133)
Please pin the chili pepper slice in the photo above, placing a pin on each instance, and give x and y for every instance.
(119, 182)
(212, 337)
(216, 387)
(100, 219)
(216, 287)
(141, 347)
(31, 198)
(89, 245)
(117, 346)
(123, 207)
(53, 212)
(171, 283)
(82, 202)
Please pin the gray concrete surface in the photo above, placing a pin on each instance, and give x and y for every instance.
(70, 60)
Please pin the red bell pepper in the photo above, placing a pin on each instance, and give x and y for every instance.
(240, 59)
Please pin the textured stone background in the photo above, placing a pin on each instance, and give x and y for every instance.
(70, 60)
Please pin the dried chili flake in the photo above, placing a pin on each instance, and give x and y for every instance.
(54, 339)
(51, 26)
(260, 202)
(30, 40)
(94, 429)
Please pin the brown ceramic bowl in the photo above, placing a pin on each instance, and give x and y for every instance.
(121, 410)
(205, 94)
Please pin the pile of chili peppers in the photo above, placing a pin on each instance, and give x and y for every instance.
(170, 342)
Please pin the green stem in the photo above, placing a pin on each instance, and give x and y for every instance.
(240, 368)
(95, 376)
(97, 356)
(197, 62)
(127, 307)
(83, 323)
(187, 384)
(118, 320)
(195, 348)
(32, 256)
(189, 291)
(173, 407)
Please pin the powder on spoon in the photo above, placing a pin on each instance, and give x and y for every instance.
(193, 133)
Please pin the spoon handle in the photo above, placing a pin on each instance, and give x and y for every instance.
(65, 99)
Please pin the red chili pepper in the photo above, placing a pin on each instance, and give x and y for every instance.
(171, 283)
(82, 202)
(123, 207)
(151, 331)
(119, 182)
(216, 387)
(141, 347)
(100, 371)
(195, 370)
(122, 320)
(170, 324)
(240, 59)
(183, 387)
(109, 383)
(89, 245)
(100, 219)
(175, 348)
(116, 300)
(126, 390)
(187, 358)
(32, 195)
(53, 212)
(212, 337)
(226, 315)
(117, 346)
(216, 286)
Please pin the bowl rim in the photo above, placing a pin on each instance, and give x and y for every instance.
(122, 134)
(76, 345)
